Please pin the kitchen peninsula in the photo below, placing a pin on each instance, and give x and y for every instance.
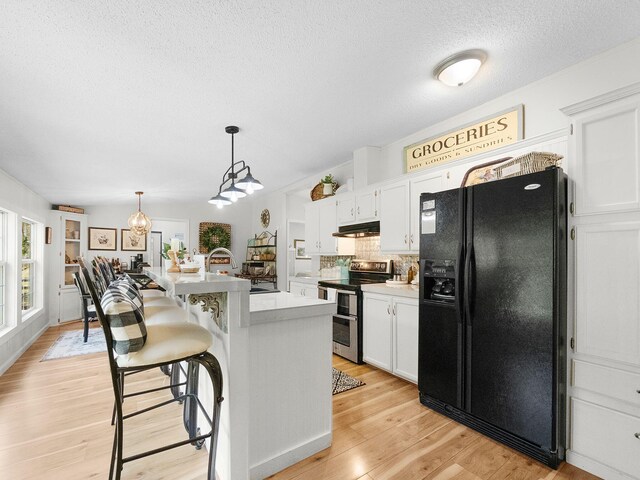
(275, 354)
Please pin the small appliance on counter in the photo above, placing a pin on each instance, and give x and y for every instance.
(136, 262)
(347, 322)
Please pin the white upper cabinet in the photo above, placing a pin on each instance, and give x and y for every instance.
(367, 206)
(320, 225)
(394, 218)
(606, 153)
(400, 212)
(418, 186)
(357, 207)
(346, 210)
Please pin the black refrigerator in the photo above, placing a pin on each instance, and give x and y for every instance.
(492, 329)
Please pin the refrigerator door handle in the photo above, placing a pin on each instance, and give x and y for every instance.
(458, 287)
(469, 271)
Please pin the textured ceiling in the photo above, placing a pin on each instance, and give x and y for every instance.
(101, 98)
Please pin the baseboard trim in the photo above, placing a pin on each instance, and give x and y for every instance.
(595, 467)
(7, 364)
(288, 458)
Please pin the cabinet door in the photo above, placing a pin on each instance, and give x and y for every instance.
(327, 226)
(607, 286)
(376, 328)
(346, 210)
(311, 232)
(405, 338)
(296, 288)
(367, 206)
(394, 218)
(432, 184)
(606, 147)
(310, 291)
(70, 305)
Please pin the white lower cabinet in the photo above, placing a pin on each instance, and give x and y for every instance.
(390, 334)
(607, 436)
(303, 289)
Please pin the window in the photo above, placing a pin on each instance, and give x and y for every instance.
(3, 256)
(28, 265)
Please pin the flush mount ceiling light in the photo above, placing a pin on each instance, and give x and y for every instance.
(139, 223)
(237, 189)
(458, 69)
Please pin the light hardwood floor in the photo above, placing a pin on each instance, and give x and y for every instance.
(55, 424)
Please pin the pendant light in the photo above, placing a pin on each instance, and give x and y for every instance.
(139, 223)
(239, 189)
(458, 69)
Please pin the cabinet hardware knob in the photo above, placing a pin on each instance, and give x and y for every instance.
(638, 391)
(352, 212)
(388, 311)
(358, 210)
(405, 239)
(637, 435)
(394, 311)
(411, 240)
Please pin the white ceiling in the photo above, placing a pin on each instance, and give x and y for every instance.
(101, 98)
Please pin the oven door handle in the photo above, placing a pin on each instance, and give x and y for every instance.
(345, 317)
(345, 292)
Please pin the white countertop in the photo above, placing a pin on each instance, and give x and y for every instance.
(270, 307)
(410, 291)
(186, 283)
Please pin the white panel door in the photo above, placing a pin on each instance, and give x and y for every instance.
(394, 218)
(429, 184)
(607, 286)
(405, 344)
(367, 206)
(328, 244)
(311, 225)
(607, 153)
(376, 328)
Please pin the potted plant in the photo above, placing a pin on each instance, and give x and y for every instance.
(327, 185)
(180, 253)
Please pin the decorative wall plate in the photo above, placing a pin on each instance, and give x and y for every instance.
(265, 218)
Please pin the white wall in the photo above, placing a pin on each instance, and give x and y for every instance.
(17, 198)
(236, 215)
(542, 101)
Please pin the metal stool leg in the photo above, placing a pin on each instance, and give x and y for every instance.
(212, 366)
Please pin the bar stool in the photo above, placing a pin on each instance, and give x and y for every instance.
(162, 345)
(88, 309)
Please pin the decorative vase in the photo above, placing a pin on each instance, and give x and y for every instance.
(327, 188)
(174, 262)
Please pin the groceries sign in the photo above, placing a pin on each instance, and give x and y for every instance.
(479, 137)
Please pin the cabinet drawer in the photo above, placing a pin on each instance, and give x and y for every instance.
(608, 381)
(606, 436)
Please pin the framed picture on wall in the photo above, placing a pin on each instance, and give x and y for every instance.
(103, 238)
(130, 242)
(299, 247)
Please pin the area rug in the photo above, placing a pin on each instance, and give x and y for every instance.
(70, 344)
(343, 382)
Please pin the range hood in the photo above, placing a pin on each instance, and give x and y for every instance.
(359, 230)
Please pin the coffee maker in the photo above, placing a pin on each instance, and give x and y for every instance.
(136, 262)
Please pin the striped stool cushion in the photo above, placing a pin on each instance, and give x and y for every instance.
(125, 320)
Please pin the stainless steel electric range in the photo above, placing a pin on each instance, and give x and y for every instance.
(347, 322)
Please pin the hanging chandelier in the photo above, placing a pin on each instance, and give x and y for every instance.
(139, 223)
(237, 189)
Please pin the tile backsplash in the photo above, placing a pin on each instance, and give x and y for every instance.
(368, 248)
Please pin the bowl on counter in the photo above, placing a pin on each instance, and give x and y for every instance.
(190, 267)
